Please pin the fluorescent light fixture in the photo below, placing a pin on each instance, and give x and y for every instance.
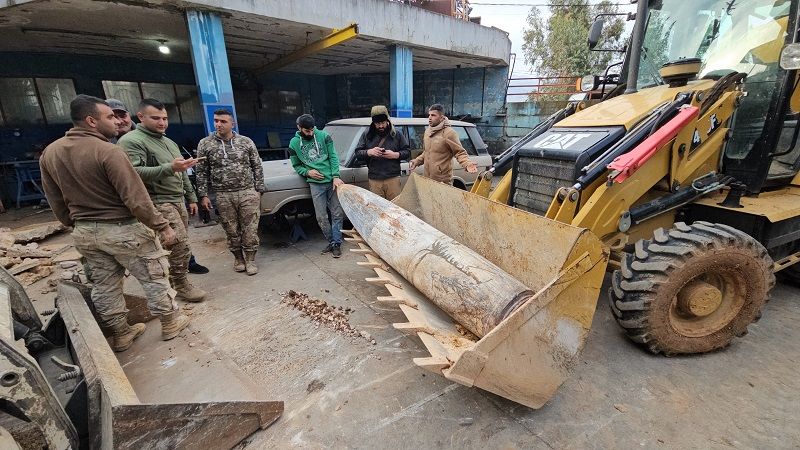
(163, 47)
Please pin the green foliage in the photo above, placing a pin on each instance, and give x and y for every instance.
(558, 46)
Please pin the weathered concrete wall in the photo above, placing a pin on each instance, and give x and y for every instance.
(476, 93)
(522, 117)
(388, 21)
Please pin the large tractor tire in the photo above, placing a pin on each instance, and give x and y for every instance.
(691, 289)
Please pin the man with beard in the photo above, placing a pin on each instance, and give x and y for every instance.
(125, 120)
(158, 161)
(230, 166)
(314, 158)
(383, 147)
(440, 145)
(91, 185)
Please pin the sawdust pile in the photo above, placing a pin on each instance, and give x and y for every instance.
(321, 312)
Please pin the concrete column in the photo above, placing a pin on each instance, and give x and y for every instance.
(401, 81)
(210, 62)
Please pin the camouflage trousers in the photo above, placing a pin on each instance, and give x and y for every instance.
(178, 219)
(239, 214)
(110, 248)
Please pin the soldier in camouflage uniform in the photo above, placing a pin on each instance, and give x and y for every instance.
(91, 185)
(230, 166)
(158, 161)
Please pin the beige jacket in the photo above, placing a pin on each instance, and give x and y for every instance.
(440, 145)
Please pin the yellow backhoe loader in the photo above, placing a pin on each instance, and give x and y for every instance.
(685, 185)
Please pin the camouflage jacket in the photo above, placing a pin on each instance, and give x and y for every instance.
(229, 166)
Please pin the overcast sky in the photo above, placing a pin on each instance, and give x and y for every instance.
(510, 19)
(510, 16)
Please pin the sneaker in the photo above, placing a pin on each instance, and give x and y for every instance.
(327, 249)
(336, 250)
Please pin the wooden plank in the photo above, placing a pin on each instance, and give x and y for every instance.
(26, 265)
(384, 277)
(433, 364)
(36, 232)
(71, 255)
(411, 297)
(373, 262)
(351, 233)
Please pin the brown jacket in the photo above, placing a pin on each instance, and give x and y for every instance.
(86, 177)
(440, 145)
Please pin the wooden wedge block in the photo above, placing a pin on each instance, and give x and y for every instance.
(362, 249)
(433, 364)
(373, 262)
(25, 265)
(384, 277)
(413, 328)
(411, 297)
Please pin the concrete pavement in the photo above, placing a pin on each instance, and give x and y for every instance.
(344, 392)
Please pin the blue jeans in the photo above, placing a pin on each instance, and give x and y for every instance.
(325, 199)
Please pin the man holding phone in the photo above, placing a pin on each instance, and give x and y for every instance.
(229, 165)
(158, 161)
(382, 147)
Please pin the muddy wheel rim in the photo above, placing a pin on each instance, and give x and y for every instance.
(707, 303)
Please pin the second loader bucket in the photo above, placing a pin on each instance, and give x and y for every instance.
(502, 299)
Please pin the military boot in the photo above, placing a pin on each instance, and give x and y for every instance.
(250, 263)
(186, 291)
(172, 323)
(124, 334)
(239, 265)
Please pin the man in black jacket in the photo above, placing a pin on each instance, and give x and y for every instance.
(383, 147)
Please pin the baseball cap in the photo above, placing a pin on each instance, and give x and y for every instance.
(116, 105)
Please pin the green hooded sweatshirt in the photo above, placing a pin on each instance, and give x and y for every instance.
(317, 153)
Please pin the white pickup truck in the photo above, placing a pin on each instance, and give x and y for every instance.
(288, 194)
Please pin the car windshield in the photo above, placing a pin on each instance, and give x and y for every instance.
(727, 35)
(345, 138)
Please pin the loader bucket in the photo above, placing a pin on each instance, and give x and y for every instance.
(460, 290)
(157, 394)
(169, 395)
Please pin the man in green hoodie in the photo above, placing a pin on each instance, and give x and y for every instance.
(314, 157)
(158, 161)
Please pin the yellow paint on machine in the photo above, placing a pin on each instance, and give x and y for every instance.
(627, 110)
(776, 205)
